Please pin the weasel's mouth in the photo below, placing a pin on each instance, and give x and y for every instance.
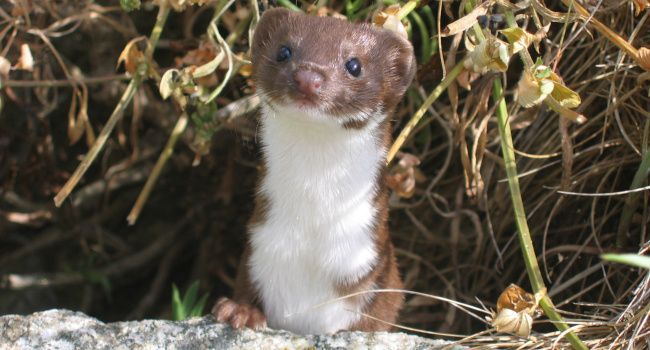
(304, 102)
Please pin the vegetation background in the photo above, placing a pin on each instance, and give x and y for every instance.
(453, 219)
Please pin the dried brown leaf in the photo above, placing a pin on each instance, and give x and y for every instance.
(199, 56)
(379, 18)
(5, 66)
(640, 5)
(643, 58)
(131, 56)
(465, 79)
(515, 298)
(402, 177)
(21, 8)
(246, 70)
(466, 21)
(388, 19)
(75, 127)
(26, 60)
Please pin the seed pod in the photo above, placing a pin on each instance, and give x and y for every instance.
(513, 322)
(491, 53)
(532, 91)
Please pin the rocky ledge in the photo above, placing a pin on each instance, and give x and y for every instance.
(64, 329)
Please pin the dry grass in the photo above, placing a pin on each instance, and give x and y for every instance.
(456, 235)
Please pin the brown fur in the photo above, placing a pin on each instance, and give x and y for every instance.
(356, 124)
(244, 307)
(388, 67)
(387, 62)
(382, 306)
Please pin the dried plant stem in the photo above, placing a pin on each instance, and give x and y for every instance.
(218, 41)
(181, 124)
(631, 202)
(101, 139)
(604, 30)
(118, 112)
(63, 82)
(567, 154)
(523, 233)
(415, 119)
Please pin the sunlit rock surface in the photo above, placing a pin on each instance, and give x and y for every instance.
(63, 329)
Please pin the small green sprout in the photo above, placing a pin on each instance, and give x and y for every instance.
(188, 306)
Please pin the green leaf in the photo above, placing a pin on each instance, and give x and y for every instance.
(130, 5)
(187, 306)
(190, 297)
(629, 259)
(352, 6)
(178, 313)
(197, 310)
(203, 121)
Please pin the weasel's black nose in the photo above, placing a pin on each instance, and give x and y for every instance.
(308, 82)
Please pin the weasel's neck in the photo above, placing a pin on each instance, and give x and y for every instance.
(319, 160)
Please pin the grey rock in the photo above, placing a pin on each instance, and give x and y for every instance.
(64, 329)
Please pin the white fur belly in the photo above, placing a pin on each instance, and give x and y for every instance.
(318, 232)
(296, 267)
(291, 292)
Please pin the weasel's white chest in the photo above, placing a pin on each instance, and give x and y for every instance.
(318, 232)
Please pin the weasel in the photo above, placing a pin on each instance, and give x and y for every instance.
(319, 229)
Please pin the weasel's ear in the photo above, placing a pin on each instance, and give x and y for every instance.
(271, 18)
(276, 13)
(400, 62)
(270, 23)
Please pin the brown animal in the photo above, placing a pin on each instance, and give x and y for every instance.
(319, 231)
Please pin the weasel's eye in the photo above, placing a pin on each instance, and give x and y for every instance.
(353, 66)
(284, 54)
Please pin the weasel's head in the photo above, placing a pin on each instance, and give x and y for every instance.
(330, 68)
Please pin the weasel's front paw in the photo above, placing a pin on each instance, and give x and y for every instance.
(238, 315)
